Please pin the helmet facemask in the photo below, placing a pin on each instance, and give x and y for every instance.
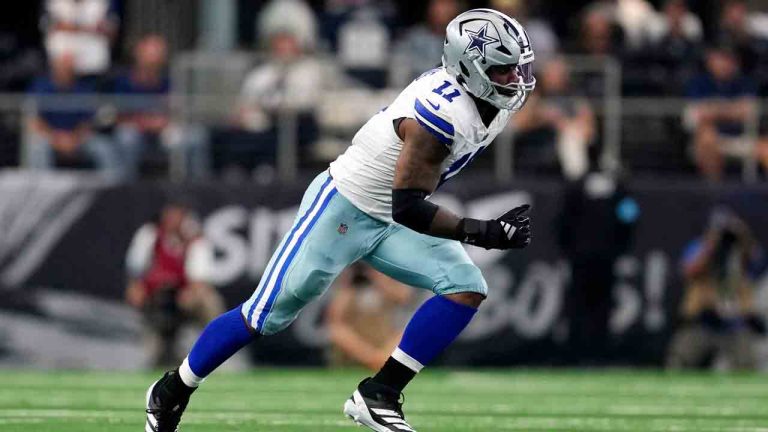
(513, 95)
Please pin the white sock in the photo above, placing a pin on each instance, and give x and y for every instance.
(187, 376)
(408, 361)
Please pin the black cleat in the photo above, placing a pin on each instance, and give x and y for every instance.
(166, 402)
(378, 407)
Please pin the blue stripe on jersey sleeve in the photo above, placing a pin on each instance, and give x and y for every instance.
(433, 118)
(431, 129)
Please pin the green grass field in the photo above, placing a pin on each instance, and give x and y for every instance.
(284, 400)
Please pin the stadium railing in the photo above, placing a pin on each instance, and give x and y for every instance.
(206, 89)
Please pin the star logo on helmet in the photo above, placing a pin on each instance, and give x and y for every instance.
(479, 39)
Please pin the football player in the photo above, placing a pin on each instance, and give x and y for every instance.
(371, 205)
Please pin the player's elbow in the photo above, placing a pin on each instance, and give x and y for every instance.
(400, 213)
(410, 209)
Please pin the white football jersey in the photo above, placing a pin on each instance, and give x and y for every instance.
(365, 172)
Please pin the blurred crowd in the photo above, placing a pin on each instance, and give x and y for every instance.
(711, 55)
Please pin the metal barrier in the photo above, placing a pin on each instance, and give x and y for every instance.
(206, 88)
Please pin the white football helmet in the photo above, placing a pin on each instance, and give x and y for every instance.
(481, 38)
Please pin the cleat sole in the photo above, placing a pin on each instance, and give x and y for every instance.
(356, 410)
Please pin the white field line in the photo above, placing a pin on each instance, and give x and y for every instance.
(20, 420)
(37, 416)
(593, 409)
(591, 384)
(27, 416)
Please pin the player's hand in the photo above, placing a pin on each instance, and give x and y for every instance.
(517, 228)
(512, 230)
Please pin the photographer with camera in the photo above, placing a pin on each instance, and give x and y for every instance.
(719, 321)
(168, 265)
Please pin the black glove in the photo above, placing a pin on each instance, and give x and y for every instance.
(510, 231)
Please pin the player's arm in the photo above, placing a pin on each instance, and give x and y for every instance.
(417, 174)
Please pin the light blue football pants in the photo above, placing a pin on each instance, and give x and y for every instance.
(328, 235)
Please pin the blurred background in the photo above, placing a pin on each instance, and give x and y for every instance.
(154, 152)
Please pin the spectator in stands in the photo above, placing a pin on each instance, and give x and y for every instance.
(599, 33)
(539, 30)
(421, 48)
(718, 314)
(62, 131)
(639, 22)
(147, 126)
(674, 48)
(18, 63)
(599, 36)
(722, 103)
(363, 46)
(84, 28)
(366, 317)
(635, 17)
(287, 85)
(337, 13)
(556, 128)
(168, 267)
(676, 24)
(287, 16)
(738, 29)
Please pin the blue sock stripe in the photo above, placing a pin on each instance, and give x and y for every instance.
(265, 284)
(279, 283)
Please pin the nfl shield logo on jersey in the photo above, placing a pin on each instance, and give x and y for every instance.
(343, 228)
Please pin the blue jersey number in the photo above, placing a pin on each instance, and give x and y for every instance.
(442, 91)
